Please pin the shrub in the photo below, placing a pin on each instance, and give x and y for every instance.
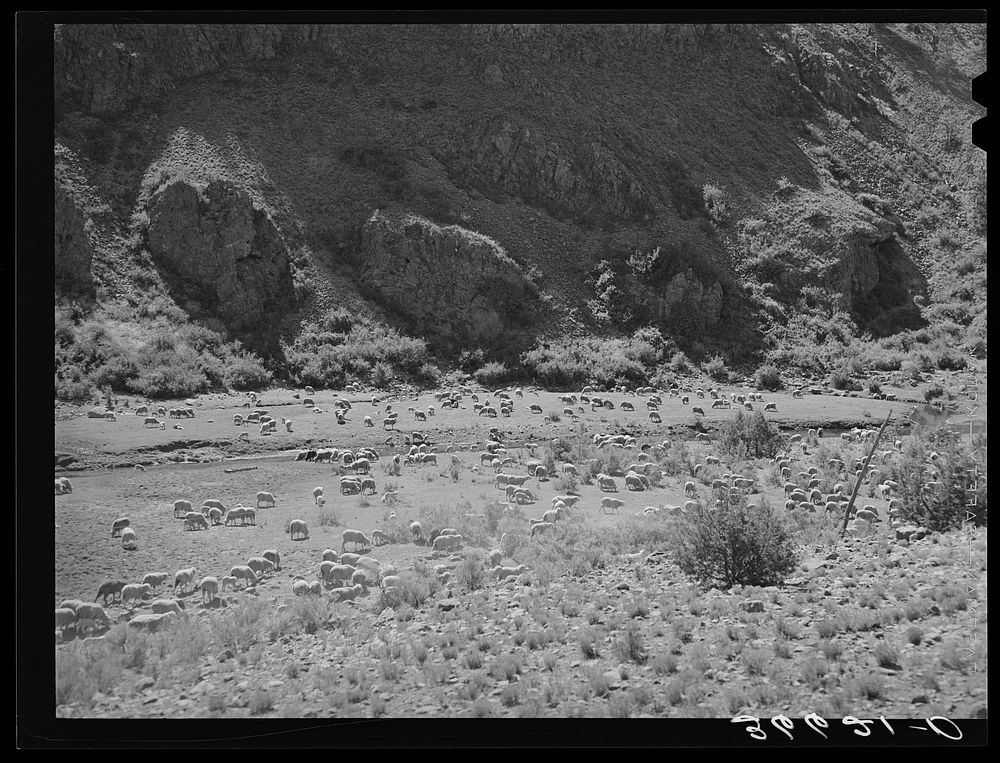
(747, 437)
(932, 392)
(679, 363)
(491, 375)
(768, 377)
(246, 371)
(715, 202)
(738, 544)
(716, 368)
(630, 647)
(947, 505)
(381, 376)
(471, 572)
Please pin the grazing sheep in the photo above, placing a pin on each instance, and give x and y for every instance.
(242, 572)
(155, 579)
(260, 565)
(567, 500)
(329, 555)
(356, 537)
(160, 606)
(182, 508)
(317, 494)
(118, 525)
(272, 556)
(195, 520)
(134, 592)
(129, 540)
(112, 588)
(654, 417)
(379, 538)
(447, 542)
(697, 410)
(65, 617)
(184, 578)
(346, 593)
(612, 504)
(607, 484)
(297, 527)
(416, 531)
(209, 586)
(228, 581)
(690, 489)
(350, 485)
(267, 499)
(92, 613)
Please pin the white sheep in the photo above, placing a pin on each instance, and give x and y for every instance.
(356, 537)
(155, 579)
(329, 555)
(317, 494)
(135, 592)
(65, 617)
(265, 498)
(346, 593)
(241, 571)
(90, 614)
(298, 527)
(447, 542)
(611, 504)
(167, 605)
(227, 581)
(129, 539)
(184, 578)
(208, 586)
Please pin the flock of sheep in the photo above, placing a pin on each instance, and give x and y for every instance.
(349, 575)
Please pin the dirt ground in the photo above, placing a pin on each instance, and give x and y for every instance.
(87, 555)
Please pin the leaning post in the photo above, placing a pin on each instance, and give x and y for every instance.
(861, 474)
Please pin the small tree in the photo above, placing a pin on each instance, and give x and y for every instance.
(768, 377)
(737, 544)
(938, 477)
(716, 368)
(747, 437)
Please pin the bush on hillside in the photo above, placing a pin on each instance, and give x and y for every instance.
(768, 377)
(716, 369)
(746, 437)
(737, 544)
(491, 375)
(572, 363)
(343, 344)
(246, 371)
(947, 502)
(679, 363)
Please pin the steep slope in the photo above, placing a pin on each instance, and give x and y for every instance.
(715, 170)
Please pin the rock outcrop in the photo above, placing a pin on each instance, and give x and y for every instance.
(73, 248)
(518, 161)
(452, 285)
(221, 256)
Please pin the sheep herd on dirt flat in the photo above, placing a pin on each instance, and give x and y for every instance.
(348, 576)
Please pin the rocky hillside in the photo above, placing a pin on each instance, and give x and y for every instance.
(497, 185)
